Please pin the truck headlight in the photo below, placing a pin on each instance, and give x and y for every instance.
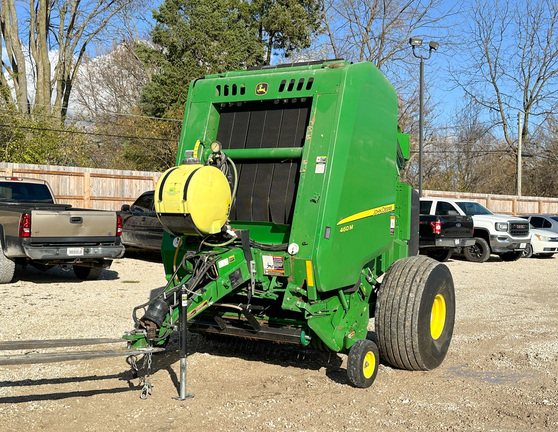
(501, 226)
(542, 238)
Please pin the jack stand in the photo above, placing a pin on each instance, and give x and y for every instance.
(183, 342)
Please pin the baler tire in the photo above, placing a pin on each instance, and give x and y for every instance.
(7, 268)
(479, 252)
(415, 313)
(362, 363)
(87, 273)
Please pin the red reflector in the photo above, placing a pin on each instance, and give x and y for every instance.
(25, 225)
(118, 225)
(436, 227)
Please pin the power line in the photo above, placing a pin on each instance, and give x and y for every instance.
(76, 118)
(83, 133)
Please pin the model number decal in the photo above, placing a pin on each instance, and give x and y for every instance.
(346, 228)
(367, 213)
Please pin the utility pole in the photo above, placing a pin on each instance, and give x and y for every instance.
(519, 153)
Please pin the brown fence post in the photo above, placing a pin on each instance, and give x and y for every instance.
(87, 189)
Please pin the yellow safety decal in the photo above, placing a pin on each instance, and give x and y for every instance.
(197, 309)
(367, 213)
(309, 274)
(197, 148)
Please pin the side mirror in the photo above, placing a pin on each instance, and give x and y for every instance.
(125, 208)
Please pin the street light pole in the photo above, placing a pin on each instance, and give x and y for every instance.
(432, 46)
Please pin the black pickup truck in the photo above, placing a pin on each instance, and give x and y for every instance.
(441, 234)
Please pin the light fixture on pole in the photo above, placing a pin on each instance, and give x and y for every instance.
(432, 46)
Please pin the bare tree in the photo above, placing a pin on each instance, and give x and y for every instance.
(111, 82)
(63, 27)
(378, 30)
(510, 61)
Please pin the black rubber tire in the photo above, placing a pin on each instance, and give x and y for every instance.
(87, 273)
(528, 251)
(7, 268)
(412, 288)
(362, 363)
(511, 256)
(479, 252)
(440, 254)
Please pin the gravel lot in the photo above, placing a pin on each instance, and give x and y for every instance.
(500, 374)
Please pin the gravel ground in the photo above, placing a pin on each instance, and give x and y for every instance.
(500, 373)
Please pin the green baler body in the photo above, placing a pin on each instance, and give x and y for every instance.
(319, 155)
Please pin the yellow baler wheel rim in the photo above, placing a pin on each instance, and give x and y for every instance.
(438, 316)
(369, 364)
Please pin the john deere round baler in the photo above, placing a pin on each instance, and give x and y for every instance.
(286, 221)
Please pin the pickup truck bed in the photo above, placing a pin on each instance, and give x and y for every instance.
(440, 235)
(34, 230)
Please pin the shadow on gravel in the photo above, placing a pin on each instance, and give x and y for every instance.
(145, 255)
(124, 376)
(277, 354)
(29, 273)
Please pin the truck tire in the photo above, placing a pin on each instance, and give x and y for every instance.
(415, 313)
(479, 252)
(87, 273)
(7, 268)
(362, 363)
(511, 256)
(528, 251)
(440, 254)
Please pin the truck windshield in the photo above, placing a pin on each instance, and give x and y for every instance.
(25, 192)
(554, 218)
(473, 208)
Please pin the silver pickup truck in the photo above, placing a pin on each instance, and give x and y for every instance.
(35, 230)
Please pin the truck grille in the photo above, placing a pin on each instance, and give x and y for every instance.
(519, 229)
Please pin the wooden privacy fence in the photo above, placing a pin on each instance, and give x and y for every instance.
(507, 204)
(108, 189)
(87, 187)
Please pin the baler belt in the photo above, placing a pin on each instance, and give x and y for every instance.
(266, 189)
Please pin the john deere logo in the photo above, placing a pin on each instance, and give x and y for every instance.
(261, 89)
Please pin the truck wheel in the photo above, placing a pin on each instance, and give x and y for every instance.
(415, 313)
(362, 363)
(440, 254)
(87, 273)
(7, 268)
(528, 251)
(511, 256)
(479, 252)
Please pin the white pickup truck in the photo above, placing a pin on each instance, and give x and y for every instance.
(502, 235)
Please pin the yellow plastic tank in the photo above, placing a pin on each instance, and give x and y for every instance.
(193, 200)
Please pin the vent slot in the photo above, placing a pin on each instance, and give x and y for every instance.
(230, 90)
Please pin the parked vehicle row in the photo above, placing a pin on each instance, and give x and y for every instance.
(446, 226)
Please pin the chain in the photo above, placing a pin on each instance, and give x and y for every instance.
(147, 386)
(133, 362)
